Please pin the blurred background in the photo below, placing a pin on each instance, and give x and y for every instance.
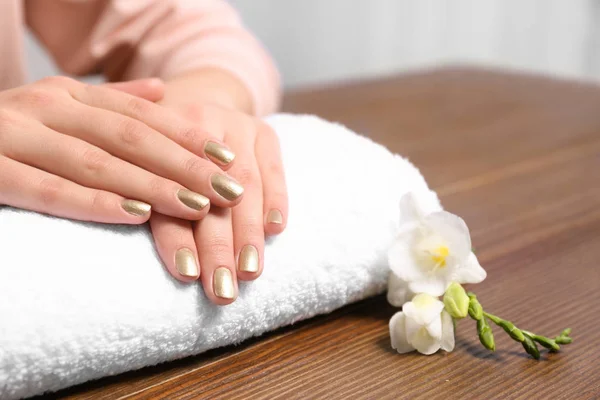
(321, 41)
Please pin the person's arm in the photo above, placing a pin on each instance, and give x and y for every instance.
(194, 45)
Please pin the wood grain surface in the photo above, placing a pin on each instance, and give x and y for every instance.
(518, 157)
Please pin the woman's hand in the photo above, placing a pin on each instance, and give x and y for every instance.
(228, 244)
(94, 153)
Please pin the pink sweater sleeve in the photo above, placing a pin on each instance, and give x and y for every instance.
(129, 39)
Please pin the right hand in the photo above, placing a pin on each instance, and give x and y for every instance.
(98, 154)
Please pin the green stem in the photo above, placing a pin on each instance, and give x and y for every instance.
(526, 338)
(492, 318)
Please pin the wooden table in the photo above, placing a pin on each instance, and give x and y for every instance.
(518, 157)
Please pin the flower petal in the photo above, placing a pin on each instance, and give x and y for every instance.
(435, 328)
(454, 230)
(471, 271)
(409, 209)
(398, 333)
(435, 285)
(401, 258)
(398, 291)
(423, 342)
(423, 309)
(447, 342)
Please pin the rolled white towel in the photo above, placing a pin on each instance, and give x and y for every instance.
(79, 301)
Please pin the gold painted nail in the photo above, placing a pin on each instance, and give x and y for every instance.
(274, 217)
(185, 262)
(137, 208)
(248, 261)
(226, 187)
(192, 199)
(218, 153)
(223, 283)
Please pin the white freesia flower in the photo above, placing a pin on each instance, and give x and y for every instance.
(422, 325)
(430, 252)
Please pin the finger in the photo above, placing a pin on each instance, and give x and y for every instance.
(87, 165)
(174, 240)
(135, 142)
(248, 229)
(214, 241)
(26, 187)
(172, 125)
(275, 198)
(151, 89)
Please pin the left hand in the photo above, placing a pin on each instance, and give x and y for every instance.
(228, 244)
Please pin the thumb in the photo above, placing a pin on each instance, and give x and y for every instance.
(151, 89)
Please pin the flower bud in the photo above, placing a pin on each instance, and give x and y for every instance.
(486, 336)
(531, 348)
(563, 340)
(512, 330)
(456, 301)
(475, 309)
(547, 343)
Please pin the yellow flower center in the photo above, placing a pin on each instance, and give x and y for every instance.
(439, 255)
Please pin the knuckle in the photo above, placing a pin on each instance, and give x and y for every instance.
(34, 96)
(138, 107)
(194, 165)
(246, 175)
(99, 200)
(50, 190)
(132, 132)
(250, 228)
(190, 137)
(95, 161)
(157, 187)
(218, 246)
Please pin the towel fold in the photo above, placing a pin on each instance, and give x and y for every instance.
(79, 301)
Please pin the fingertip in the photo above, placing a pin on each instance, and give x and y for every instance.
(249, 263)
(137, 212)
(275, 222)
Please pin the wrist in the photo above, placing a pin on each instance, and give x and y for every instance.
(210, 85)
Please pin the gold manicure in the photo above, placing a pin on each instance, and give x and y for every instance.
(186, 263)
(274, 217)
(226, 187)
(137, 208)
(248, 261)
(223, 283)
(192, 199)
(218, 153)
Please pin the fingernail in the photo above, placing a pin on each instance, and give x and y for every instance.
(223, 283)
(226, 187)
(186, 264)
(274, 217)
(192, 199)
(218, 153)
(137, 208)
(248, 261)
